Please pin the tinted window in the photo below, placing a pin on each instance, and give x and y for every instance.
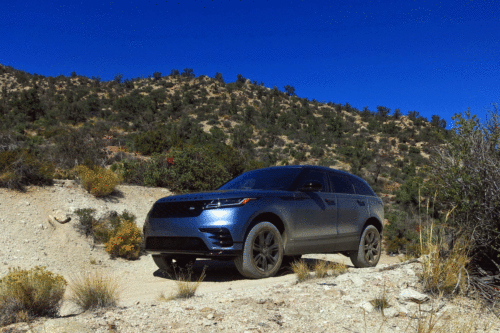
(361, 187)
(340, 183)
(313, 175)
(263, 179)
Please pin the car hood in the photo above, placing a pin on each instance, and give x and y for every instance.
(224, 194)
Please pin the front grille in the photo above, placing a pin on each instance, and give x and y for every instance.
(194, 244)
(221, 236)
(177, 209)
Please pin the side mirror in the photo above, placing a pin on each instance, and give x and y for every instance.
(312, 186)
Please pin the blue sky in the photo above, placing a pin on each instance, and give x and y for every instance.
(429, 56)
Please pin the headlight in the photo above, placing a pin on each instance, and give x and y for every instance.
(219, 203)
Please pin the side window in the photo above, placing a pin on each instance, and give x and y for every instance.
(340, 184)
(361, 187)
(313, 175)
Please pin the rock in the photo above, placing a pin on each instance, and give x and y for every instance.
(391, 312)
(358, 282)
(367, 306)
(410, 295)
(59, 217)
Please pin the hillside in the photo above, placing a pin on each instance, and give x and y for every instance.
(241, 120)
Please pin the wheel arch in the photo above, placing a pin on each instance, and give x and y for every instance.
(267, 217)
(375, 222)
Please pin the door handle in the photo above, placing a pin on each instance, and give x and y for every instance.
(361, 203)
(330, 202)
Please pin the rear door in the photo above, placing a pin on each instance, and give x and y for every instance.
(350, 207)
(314, 215)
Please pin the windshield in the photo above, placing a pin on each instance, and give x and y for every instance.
(263, 179)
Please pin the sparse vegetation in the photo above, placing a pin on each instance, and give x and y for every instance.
(26, 294)
(92, 289)
(185, 285)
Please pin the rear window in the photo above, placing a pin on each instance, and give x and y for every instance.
(361, 187)
(340, 183)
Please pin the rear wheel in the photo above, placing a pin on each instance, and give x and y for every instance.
(262, 252)
(369, 249)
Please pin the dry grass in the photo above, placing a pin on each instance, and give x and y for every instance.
(185, 285)
(381, 303)
(446, 322)
(301, 269)
(94, 289)
(321, 269)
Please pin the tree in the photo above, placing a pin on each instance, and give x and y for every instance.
(397, 114)
(157, 76)
(29, 103)
(73, 74)
(188, 72)
(218, 77)
(118, 78)
(240, 78)
(466, 177)
(174, 73)
(413, 115)
(383, 111)
(290, 91)
(438, 122)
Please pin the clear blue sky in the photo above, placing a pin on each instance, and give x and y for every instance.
(429, 56)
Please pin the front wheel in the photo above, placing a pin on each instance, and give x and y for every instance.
(369, 249)
(262, 252)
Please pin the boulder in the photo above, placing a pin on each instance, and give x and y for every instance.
(59, 217)
(410, 295)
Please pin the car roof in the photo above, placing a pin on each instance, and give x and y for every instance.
(317, 167)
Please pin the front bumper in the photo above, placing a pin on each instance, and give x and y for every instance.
(209, 233)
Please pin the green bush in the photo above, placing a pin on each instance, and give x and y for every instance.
(152, 142)
(25, 294)
(402, 233)
(157, 173)
(86, 221)
(466, 176)
(20, 168)
(196, 169)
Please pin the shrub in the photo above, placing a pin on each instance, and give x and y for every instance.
(86, 221)
(98, 181)
(32, 293)
(156, 172)
(125, 241)
(402, 234)
(195, 169)
(20, 168)
(94, 289)
(76, 146)
(152, 142)
(466, 175)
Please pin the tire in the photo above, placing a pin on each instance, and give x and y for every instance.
(164, 262)
(369, 250)
(262, 252)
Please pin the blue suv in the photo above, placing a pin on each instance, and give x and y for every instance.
(268, 217)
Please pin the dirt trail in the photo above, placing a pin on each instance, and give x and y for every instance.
(30, 240)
